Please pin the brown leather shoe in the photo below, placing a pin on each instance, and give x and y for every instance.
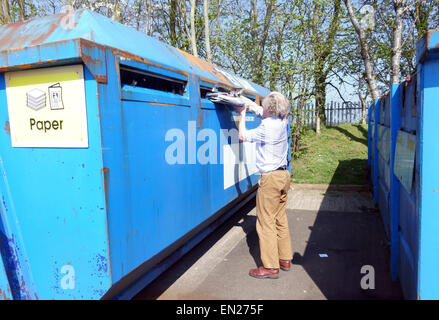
(285, 265)
(264, 273)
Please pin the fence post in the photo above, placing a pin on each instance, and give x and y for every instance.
(395, 118)
(340, 105)
(331, 114)
(349, 105)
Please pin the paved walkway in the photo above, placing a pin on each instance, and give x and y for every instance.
(341, 225)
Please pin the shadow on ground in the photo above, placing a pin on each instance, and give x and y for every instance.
(341, 243)
(157, 287)
(344, 226)
(352, 137)
(351, 171)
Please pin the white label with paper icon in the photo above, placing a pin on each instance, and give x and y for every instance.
(47, 107)
(55, 97)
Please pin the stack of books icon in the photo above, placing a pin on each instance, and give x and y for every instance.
(36, 99)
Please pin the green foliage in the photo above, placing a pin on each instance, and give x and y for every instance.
(289, 46)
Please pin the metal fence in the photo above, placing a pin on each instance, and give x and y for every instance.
(336, 113)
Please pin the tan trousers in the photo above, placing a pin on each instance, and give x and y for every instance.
(272, 223)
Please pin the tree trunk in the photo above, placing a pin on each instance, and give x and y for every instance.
(2, 14)
(320, 94)
(277, 56)
(21, 10)
(6, 12)
(399, 6)
(116, 11)
(365, 55)
(317, 122)
(362, 100)
(322, 51)
(173, 22)
(218, 25)
(193, 31)
(206, 30)
(260, 39)
(149, 13)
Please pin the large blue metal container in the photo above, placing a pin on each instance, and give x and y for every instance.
(92, 215)
(406, 181)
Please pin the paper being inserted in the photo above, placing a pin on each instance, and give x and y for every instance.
(232, 98)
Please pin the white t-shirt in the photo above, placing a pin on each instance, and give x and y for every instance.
(271, 143)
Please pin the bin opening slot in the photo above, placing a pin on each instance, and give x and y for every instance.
(149, 80)
(205, 90)
(250, 97)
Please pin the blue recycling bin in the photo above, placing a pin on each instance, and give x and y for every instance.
(111, 158)
(403, 152)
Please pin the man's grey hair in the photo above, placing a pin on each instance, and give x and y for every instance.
(276, 104)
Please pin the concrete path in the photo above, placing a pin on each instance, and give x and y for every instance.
(343, 225)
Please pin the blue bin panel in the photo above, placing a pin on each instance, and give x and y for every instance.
(153, 203)
(408, 221)
(407, 271)
(384, 106)
(5, 289)
(384, 172)
(107, 213)
(414, 174)
(383, 205)
(408, 112)
(58, 206)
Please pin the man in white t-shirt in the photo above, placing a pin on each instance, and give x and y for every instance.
(271, 138)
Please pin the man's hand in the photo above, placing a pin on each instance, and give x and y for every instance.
(249, 104)
(240, 109)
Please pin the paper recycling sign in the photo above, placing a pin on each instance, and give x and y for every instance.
(47, 107)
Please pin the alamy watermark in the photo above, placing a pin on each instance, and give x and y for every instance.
(367, 22)
(368, 280)
(201, 147)
(68, 280)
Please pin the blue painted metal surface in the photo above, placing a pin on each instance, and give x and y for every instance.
(110, 212)
(5, 289)
(54, 213)
(375, 151)
(395, 107)
(411, 217)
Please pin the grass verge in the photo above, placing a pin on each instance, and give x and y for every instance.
(337, 156)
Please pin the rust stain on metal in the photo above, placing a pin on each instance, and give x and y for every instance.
(217, 83)
(163, 104)
(7, 127)
(227, 86)
(12, 35)
(90, 44)
(25, 66)
(205, 66)
(44, 36)
(101, 78)
(200, 118)
(131, 56)
(90, 62)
